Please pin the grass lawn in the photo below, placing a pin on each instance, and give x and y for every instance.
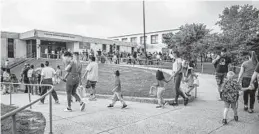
(135, 82)
(208, 68)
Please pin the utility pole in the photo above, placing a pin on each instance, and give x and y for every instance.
(144, 28)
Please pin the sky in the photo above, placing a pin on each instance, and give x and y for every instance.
(104, 19)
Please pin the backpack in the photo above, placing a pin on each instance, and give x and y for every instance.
(159, 75)
(230, 91)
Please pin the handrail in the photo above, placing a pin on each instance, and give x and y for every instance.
(13, 113)
(20, 60)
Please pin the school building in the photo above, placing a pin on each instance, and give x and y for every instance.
(154, 40)
(39, 42)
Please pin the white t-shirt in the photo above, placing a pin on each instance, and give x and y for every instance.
(29, 73)
(175, 64)
(92, 69)
(48, 72)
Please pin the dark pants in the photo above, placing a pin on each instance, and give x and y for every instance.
(46, 88)
(71, 86)
(220, 79)
(39, 87)
(26, 81)
(177, 84)
(249, 93)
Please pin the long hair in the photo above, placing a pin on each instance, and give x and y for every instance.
(253, 57)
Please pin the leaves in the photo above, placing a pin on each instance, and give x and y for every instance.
(186, 41)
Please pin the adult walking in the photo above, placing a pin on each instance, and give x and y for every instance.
(38, 74)
(221, 64)
(24, 76)
(254, 77)
(245, 74)
(73, 79)
(177, 75)
(47, 73)
(92, 77)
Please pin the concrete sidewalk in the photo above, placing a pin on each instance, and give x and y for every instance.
(201, 116)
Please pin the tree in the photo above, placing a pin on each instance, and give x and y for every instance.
(239, 25)
(188, 41)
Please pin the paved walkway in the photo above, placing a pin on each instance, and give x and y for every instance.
(202, 116)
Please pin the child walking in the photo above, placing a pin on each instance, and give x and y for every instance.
(117, 91)
(58, 75)
(190, 80)
(160, 88)
(230, 94)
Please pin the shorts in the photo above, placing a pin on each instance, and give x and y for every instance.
(220, 78)
(246, 82)
(233, 105)
(90, 84)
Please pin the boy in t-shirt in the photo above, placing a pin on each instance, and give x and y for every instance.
(117, 91)
(230, 94)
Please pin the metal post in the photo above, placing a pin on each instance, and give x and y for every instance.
(195, 92)
(201, 68)
(144, 28)
(50, 114)
(10, 97)
(29, 92)
(14, 124)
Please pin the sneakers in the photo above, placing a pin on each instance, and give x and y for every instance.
(245, 108)
(186, 101)
(187, 94)
(40, 103)
(68, 110)
(57, 102)
(166, 103)
(236, 118)
(82, 106)
(124, 106)
(250, 110)
(110, 105)
(92, 98)
(159, 106)
(224, 121)
(174, 104)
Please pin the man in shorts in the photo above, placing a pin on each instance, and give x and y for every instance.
(221, 64)
(92, 77)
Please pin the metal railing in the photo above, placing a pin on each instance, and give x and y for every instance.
(14, 112)
(20, 60)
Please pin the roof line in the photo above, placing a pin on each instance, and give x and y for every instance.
(146, 33)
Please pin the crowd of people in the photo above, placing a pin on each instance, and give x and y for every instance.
(229, 87)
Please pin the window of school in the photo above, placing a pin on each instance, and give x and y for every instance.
(10, 47)
(142, 39)
(124, 39)
(154, 39)
(133, 39)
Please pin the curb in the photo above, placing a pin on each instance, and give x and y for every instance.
(137, 99)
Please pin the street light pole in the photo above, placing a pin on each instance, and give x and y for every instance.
(144, 28)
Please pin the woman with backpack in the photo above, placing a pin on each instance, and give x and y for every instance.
(245, 74)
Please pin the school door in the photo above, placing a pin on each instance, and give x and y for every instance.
(31, 48)
(104, 47)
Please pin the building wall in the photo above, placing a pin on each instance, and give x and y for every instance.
(20, 48)
(3, 48)
(70, 45)
(76, 47)
(150, 47)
